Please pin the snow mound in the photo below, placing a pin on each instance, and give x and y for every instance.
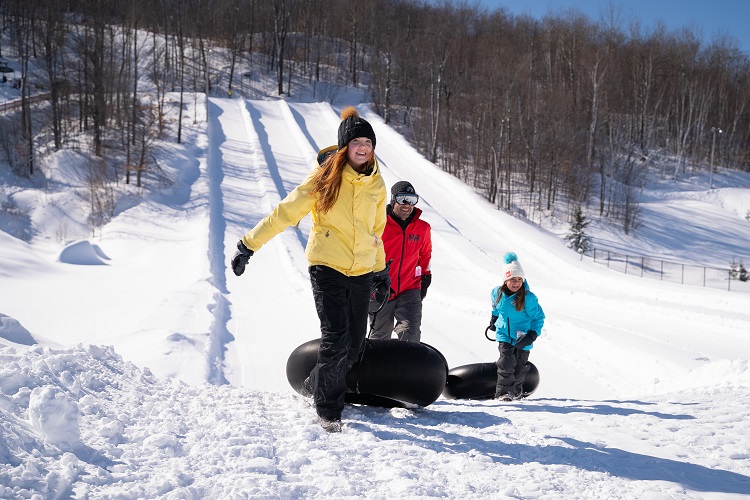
(11, 330)
(84, 420)
(82, 253)
(736, 200)
(54, 415)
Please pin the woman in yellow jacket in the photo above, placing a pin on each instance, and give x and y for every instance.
(347, 197)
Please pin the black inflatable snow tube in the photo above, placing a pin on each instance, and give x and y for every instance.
(391, 373)
(478, 381)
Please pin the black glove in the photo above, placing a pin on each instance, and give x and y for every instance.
(492, 323)
(426, 280)
(381, 280)
(526, 339)
(239, 261)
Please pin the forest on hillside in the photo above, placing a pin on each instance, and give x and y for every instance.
(564, 111)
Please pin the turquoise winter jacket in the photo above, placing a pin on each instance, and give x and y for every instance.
(512, 323)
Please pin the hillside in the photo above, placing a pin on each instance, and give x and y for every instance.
(644, 384)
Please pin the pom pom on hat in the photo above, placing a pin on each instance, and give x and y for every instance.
(512, 268)
(353, 126)
(510, 257)
(349, 112)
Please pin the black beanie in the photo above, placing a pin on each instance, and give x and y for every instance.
(401, 187)
(353, 126)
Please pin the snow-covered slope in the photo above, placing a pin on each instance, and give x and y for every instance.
(644, 384)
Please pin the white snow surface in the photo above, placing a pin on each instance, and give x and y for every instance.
(134, 364)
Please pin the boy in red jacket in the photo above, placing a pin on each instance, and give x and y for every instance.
(408, 247)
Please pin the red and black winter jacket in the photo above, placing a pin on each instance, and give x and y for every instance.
(409, 245)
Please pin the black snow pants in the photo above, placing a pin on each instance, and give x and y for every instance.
(342, 305)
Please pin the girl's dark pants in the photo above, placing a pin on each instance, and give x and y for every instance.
(511, 370)
(342, 303)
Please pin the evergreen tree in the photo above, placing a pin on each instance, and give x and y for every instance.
(578, 240)
(738, 271)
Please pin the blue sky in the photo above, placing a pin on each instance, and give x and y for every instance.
(710, 17)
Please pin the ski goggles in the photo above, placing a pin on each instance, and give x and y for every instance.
(406, 199)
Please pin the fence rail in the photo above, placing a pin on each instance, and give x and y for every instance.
(6, 106)
(686, 274)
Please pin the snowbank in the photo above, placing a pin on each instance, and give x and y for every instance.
(82, 253)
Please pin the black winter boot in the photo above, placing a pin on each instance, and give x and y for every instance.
(330, 425)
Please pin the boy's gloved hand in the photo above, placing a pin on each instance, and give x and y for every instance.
(426, 281)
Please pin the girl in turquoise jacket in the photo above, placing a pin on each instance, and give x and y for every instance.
(517, 319)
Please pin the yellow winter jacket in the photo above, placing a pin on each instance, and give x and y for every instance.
(347, 238)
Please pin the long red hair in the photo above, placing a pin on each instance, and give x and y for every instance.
(327, 180)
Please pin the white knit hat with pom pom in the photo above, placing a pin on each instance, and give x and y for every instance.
(512, 268)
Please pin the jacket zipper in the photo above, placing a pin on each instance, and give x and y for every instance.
(401, 261)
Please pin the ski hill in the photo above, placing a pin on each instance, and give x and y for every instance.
(134, 364)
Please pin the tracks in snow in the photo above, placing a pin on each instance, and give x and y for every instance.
(267, 147)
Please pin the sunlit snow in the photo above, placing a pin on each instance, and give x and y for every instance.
(134, 365)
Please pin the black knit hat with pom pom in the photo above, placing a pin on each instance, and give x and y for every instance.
(353, 126)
